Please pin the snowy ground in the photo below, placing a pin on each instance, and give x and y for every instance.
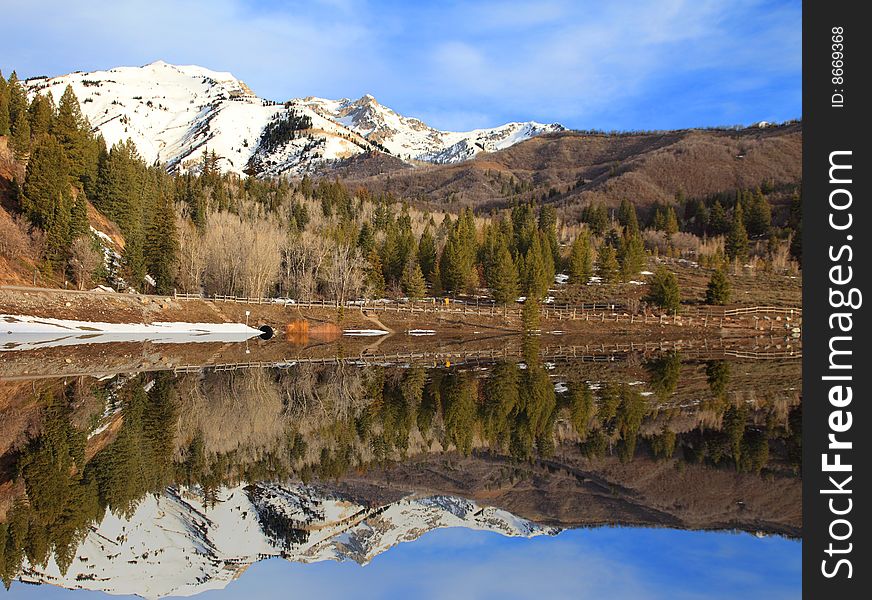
(24, 332)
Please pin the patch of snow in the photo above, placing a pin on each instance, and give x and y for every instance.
(365, 332)
(19, 332)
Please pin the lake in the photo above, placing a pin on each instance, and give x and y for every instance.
(503, 467)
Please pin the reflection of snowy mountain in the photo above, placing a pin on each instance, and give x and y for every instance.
(176, 113)
(173, 544)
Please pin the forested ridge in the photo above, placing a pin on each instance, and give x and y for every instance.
(206, 231)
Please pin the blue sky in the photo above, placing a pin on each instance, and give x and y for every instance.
(457, 65)
(632, 564)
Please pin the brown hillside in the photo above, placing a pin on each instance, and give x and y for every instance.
(582, 167)
(20, 245)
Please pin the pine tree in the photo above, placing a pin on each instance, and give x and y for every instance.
(374, 279)
(530, 314)
(4, 106)
(736, 244)
(117, 187)
(631, 255)
(504, 276)
(536, 278)
(759, 217)
(427, 252)
(671, 224)
(718, 222)
(607, 267)
(596, 216)
(79, 216)
(19, 123)
(581, 258)
(74, 133)
(548, 229)
(47, 199)
(457, 262)
(133, 258)
(40, 115)
(663, 290)
(161, 243)
(718, 290)
(365, 238)
(627, 217)
(413, 283)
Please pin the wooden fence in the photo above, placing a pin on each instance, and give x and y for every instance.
(602, 312)
(604, 352)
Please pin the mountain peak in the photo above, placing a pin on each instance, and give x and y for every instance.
(173, 112)
(367, 99)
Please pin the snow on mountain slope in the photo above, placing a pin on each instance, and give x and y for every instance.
(173, 544)
(176, 113)
(410, 138)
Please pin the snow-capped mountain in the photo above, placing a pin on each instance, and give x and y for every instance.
(175, 544)
(176, 113)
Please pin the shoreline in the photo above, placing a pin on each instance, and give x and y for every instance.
(119, 308)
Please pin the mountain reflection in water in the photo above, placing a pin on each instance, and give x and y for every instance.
(163, 483)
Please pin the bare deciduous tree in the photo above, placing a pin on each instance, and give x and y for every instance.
(242, 257)
(303, 258)
(84, 261)
(192, 260)
(345, 274)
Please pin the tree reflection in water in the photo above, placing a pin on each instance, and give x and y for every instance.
(326, 422)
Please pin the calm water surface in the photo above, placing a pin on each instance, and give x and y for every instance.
(629, 475)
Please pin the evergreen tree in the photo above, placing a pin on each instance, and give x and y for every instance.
(631, 255)
(457, 262)
(718, 290)
(736, 244)
(607, 267)
(536, 277)
(530, 314)
(663, 290)
(47, 198)
(413, 283)
(596, 216)
(759, 216)
(427, 252)
(133, 258)
(366, 238)
(40, 115)
(548, 229)
(19, 122)
(117, 187)
(161, 243)
(504, 276)
(4, 106)
(581, 258)
(627, 217)
(79, 216)
(374, 279)
(670, 225)
(719, 224)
